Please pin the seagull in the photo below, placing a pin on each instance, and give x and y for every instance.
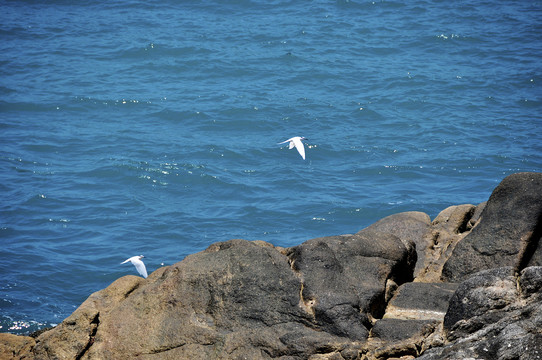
(140, 267)
(296, 141)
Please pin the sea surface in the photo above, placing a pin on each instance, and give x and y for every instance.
(141, 127)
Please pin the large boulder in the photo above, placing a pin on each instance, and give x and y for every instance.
(344, 278)
(240, 299)
(412, 321)
(508, 233)
(434, 240)
(412, 227)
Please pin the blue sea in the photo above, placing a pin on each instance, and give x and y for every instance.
(139, 127)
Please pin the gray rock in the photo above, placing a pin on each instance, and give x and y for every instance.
(410, 227)
(421, 301)
(530, 281)
(344, 278)
(402, 339)
(491, 318)
(478, 301)
(396, 330)
(508, 233)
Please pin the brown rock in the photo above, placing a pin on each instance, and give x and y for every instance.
(16, 347)
(76, 334)
(239, 299)
(447, 229)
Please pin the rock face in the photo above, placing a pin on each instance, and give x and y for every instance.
(494, 315)
(465, 285)
(509, 233)
(344, 278)
(411, 227)
(240, 299)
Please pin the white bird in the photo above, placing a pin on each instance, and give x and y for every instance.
(297, 142)
(140, 267)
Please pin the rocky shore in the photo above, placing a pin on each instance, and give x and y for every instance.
(466, 285)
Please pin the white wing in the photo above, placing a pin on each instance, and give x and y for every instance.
(140, 267)
(299, 146)
(130, 259)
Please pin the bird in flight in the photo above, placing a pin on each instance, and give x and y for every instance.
(140, 267)
(297, 142)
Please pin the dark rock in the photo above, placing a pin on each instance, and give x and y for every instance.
(530, 281)
(344, 278)
(410, 227)
(402, 339)
(421, 301)
(490, 318)
(396, 330)
(474, 303)
(508, 233)
(412, 322)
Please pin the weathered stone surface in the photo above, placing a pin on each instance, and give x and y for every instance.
(410, 227)
(240, 299)
(420, 301)
(530, 281)
(508, 233)
(16, 347)
(447, 230)
(359, 296)
(402, 339)
(490, 317)
(344, 278)
(412, 322)
(394, 330)
(72, 338)
(474, 303)
(434, 240)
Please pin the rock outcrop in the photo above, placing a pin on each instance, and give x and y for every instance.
(508, 234)
(465, 285)
(494, 315)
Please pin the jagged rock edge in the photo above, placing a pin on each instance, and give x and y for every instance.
(94, 324)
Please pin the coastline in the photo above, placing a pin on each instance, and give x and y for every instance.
(404, 287)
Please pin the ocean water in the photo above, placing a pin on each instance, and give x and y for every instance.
(136, 127)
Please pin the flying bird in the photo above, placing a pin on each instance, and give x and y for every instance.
(297, 142)
(140, 267)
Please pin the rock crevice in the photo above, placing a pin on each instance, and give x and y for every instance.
(93, 329)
